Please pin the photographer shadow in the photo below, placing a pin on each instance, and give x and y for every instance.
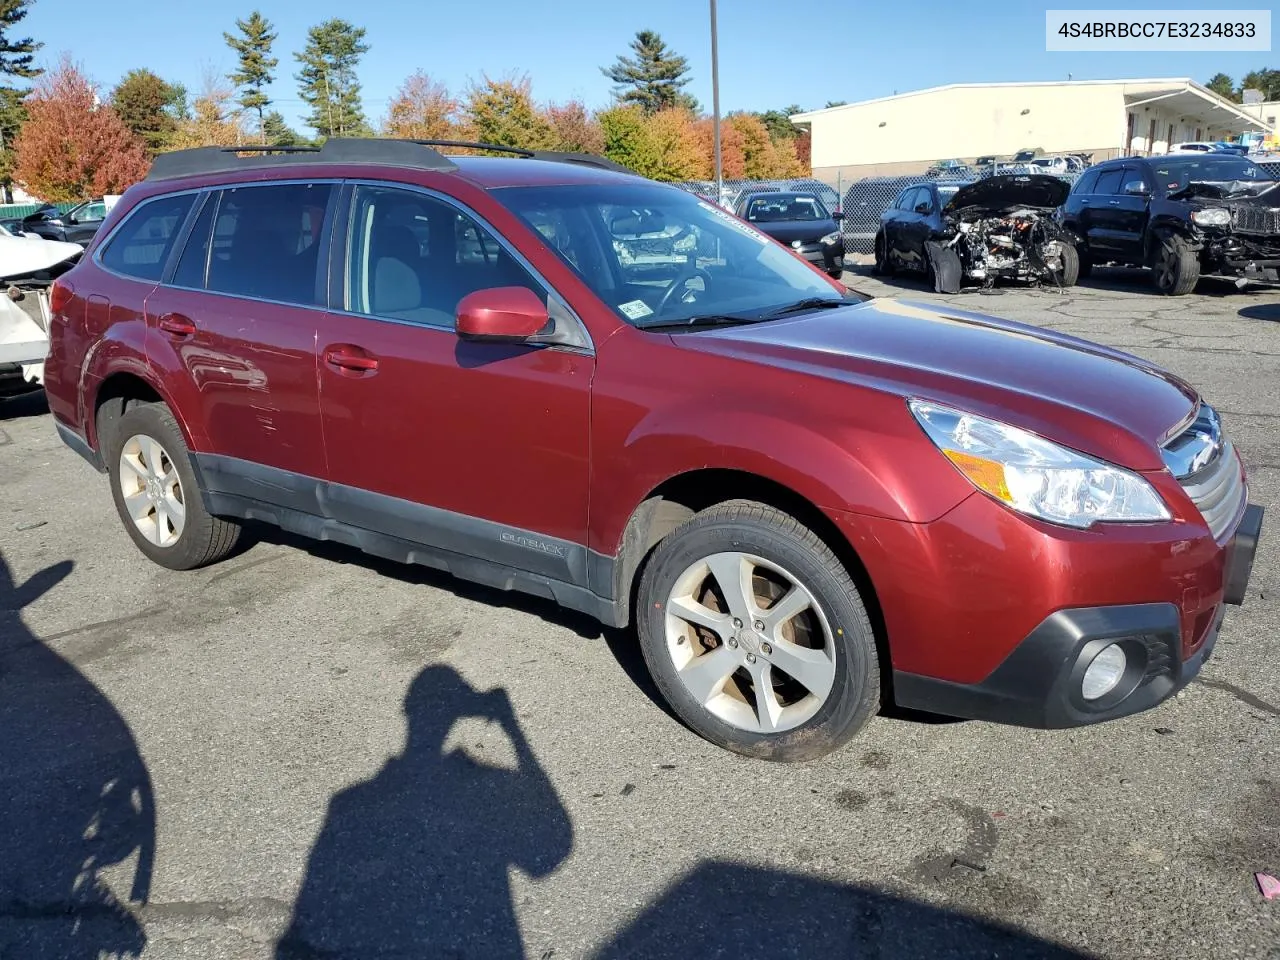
(75, 799)
(414, 862)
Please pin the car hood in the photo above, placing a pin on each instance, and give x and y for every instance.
(787, 231)
(20, 256)
(1100, 401)
(1011, 190)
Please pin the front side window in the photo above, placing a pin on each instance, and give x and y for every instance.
(92, 212)
(264, 243)
(140, 247)
(413, 257)
(664, 256)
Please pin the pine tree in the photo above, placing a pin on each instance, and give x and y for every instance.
(653, 78)
(327, 80)
(17, 59)
(253, 75)
(149, 107)
(278, 133)
(1223, 86)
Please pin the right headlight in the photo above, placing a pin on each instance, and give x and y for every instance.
(1211, 217)
(1036, 476)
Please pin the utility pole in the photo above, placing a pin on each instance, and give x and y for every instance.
(715, 104)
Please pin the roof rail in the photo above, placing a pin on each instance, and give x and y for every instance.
(417, 154)
(203, 160)
(587, 159)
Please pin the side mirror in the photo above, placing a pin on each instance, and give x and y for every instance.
(501, 314)
(837, 216)
(1136, 188)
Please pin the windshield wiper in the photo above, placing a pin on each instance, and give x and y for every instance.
(809, 303)
(704, 320)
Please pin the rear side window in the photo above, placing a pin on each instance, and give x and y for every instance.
(140, 247)
(1109, 181)
(1087, 182)
(259, 242)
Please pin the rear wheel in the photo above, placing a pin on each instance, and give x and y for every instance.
(1175, 268)
(156, 493)
(883, 267)
(756, 635)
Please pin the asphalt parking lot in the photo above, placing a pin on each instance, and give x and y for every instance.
(276, 747)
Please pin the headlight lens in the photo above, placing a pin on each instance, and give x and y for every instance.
(1037, 477)
(1213, 217)
(831, 238)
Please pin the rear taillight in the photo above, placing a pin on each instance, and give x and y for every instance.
(60, 295)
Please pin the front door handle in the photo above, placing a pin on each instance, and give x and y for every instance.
(177, 326)
(350, 360)
(1114, 203)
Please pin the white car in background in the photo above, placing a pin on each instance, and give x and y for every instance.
(1193, 147)
(27, 267)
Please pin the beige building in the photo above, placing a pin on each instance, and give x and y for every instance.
(908, 132)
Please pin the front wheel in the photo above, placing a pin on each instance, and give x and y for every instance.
(756, 634)
(156, 492)
(1070, 266)
(1176, 268)
(883, 266)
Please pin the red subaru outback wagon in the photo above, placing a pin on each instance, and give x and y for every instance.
(545, 374)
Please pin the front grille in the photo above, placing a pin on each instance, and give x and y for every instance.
(1206, 464)
(1249, 218)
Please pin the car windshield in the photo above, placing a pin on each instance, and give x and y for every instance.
(946, 192)
(785, 206)
(657, 255)
(1174, 174)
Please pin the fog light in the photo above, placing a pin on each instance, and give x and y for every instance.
(1103, 673)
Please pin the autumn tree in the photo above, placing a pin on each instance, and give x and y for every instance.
(732, 162)
(627, 139)
(574, 129)
(215, 121)
(253, 72)
(502, 112)
(327, 80)
(149, 106)
(678, 149)
(17, 61)
(72, 145)
(422, 110)
(1223, 86)
(761, 158)
(654, 78)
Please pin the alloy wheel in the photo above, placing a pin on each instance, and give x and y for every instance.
(750, 642)
(152, 490)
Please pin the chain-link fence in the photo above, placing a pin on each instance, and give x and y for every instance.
(863, 200)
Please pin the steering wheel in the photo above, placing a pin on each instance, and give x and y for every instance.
(680, 282)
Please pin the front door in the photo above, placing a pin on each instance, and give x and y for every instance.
(480, 449)
(233, 330)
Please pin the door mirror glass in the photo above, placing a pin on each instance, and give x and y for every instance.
(1136, 187)
(837, 216)
(504, 314)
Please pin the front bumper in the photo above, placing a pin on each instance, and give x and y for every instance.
(1038, 684)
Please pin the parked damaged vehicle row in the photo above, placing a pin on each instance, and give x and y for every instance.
(1185, 216)
(999, 228)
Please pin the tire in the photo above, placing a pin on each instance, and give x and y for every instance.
(836, 647)
(150, 470)
(1070, 265)
(1175, 269)
(883, 266)
(943, 268)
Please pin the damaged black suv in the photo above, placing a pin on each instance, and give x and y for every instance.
(1184, 216)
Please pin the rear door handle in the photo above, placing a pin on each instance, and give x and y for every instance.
(177, 326)
(350, 360)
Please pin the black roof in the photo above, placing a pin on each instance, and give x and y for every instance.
(383, 151)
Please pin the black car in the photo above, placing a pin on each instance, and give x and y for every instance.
(800, 221)
(997, 228)
(77, 225)
(1183, 215)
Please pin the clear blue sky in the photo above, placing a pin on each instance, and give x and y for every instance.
(772, 53)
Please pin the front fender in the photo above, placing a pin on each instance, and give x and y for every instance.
(836, 471)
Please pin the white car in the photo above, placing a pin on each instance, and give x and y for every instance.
(25, 267)
(1193, 147)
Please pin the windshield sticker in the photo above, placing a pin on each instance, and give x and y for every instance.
(734, 222)
(635, 309)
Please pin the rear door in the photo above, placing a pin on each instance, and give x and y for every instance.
(477, 448)
(233, 330)
(1105, 216)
